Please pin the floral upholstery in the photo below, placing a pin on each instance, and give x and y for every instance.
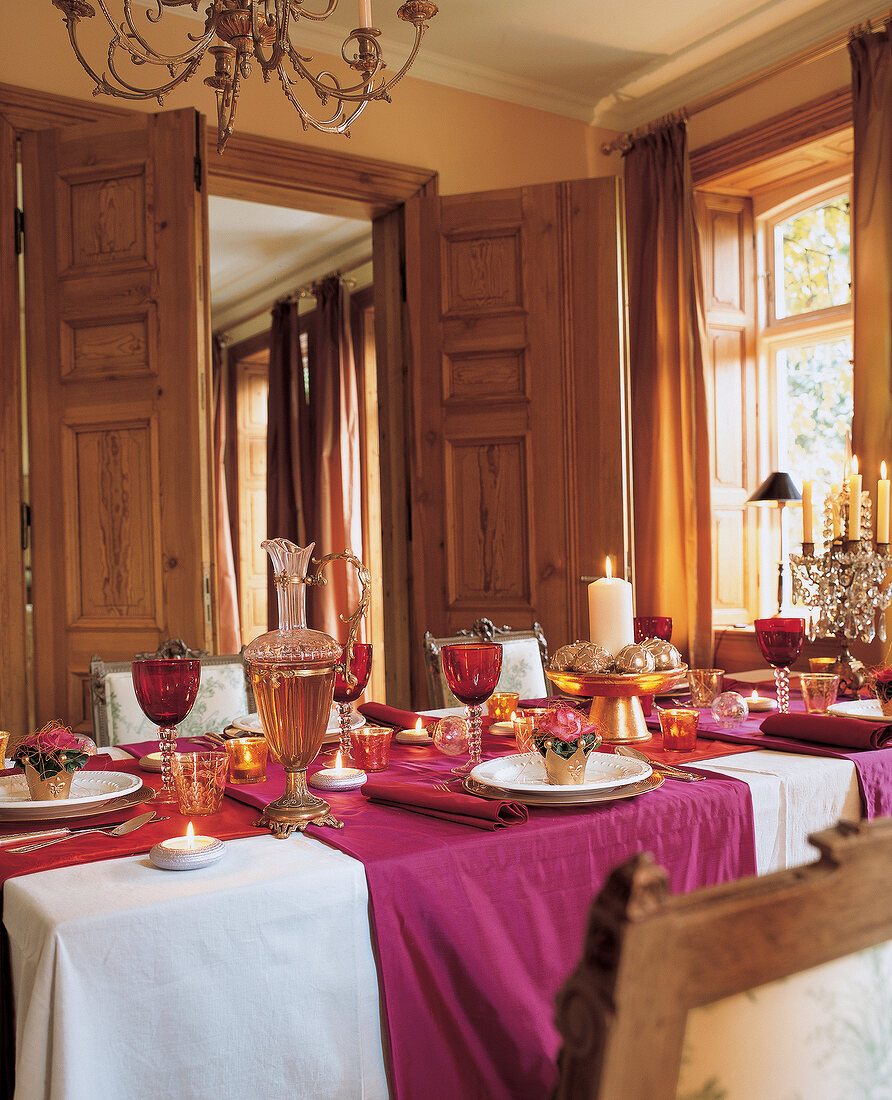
(522, 662)
(222, 696)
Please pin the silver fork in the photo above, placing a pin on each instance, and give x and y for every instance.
(119, 830)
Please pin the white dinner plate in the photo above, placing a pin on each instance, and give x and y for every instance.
(250, 723)
(868, 709)
(526, 773)
(88, 789)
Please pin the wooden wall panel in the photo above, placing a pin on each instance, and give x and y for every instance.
(108, 347)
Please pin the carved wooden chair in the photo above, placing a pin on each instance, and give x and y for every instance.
(524, 656)
(670, 984)
(223, 694)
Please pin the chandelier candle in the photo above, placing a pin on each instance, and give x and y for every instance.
(854, 530)
(610, 611)
(883, 506)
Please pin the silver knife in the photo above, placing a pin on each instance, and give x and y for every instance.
(669, 770)
(53, 834)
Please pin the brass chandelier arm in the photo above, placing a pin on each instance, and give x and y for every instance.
(149, 54)
(337, 122)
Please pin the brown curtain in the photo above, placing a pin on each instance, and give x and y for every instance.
(670, 446)
(227, 586)
(335, 472)
(871, 57)
(288, 440)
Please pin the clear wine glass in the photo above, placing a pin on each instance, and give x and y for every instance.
(472, 672)
(345, 693)
(780, 641)
(165, 690)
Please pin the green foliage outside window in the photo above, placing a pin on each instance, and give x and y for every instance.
(813, 253)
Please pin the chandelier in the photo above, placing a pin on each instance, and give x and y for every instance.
(245, 32)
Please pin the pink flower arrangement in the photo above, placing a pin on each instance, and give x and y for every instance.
(565, 728)
(881, 679)
(54, 749)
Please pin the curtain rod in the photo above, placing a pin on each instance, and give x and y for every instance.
(308, 290)
(813, 53)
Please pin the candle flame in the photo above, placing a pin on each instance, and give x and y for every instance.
(754, 698)
(513, 716)
(608, 568)
(854, 464)
(190, 837)
(418, 728)
(338, 764)
(883, 470)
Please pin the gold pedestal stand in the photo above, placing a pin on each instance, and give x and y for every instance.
(616, 698)
(296, 809)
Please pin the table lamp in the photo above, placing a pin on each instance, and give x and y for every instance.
(777, 488)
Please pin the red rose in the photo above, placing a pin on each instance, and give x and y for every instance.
(565, 724)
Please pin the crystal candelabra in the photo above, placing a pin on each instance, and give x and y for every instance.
(846, 584)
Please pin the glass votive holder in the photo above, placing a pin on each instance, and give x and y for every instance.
(821, 664)
(679, 726)
(247, 759)
(370, 748)
(501, 705)
(524, 727)
(653, 626)
(199, 778)
(818, 690)
(705, 685)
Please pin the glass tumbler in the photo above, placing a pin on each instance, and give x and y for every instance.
(200, 779)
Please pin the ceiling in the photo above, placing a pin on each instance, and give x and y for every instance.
(615, 65)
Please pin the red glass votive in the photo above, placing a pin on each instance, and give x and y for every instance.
(653, 626)
(679, 726)
(370, 747)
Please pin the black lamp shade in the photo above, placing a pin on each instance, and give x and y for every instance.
(775, 488)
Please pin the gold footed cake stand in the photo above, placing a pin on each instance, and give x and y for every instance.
(616, 698)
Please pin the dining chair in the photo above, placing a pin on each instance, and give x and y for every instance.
(524, 656)
(223, 694)
(772, 986)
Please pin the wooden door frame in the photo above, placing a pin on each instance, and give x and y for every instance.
(320, 180)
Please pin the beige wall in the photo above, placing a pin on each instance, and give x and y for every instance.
(475, 143)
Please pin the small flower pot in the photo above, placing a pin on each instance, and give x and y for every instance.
(566, 770)
(50, 789)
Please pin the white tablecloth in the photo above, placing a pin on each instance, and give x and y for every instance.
(256, 975)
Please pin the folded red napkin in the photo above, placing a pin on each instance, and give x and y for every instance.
(381, 714)
(825, 729)
(464, 809)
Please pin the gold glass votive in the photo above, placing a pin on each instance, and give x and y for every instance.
(705, 685)
(821, 664)
(679, 726)
(247, 759)
(524, 725)
(199, 778)
(502, 705)
(818, 691)
(370, 748)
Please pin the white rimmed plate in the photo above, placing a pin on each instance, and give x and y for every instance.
(251, 723)
(868, 709)
(88, 790)
(525, 773)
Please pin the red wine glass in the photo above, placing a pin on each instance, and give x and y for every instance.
(165, 690)
(472, 672)
(345, 692)
(653, 626)
(780, 641)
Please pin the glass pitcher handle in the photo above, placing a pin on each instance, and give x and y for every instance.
(353, 619)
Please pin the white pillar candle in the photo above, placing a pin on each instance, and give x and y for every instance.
(882, 506)
(365, 13)
(806, 512)
(854, 531)
(610, 612)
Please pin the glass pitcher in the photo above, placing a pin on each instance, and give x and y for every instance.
(292, 671)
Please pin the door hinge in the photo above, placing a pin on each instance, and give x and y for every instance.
(25, 524)
(19, 230)
(196, 160)
(208, 606)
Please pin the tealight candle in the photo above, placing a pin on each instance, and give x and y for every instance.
(247, 759)
(757, 702)
(186, 853)
(416, 736)
(501, 704)
(338, 778)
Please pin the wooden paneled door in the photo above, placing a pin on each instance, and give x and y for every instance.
(117, 390)
(726, 243)
(519, 457)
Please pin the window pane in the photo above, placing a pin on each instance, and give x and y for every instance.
(815, 383)
(812, 252)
